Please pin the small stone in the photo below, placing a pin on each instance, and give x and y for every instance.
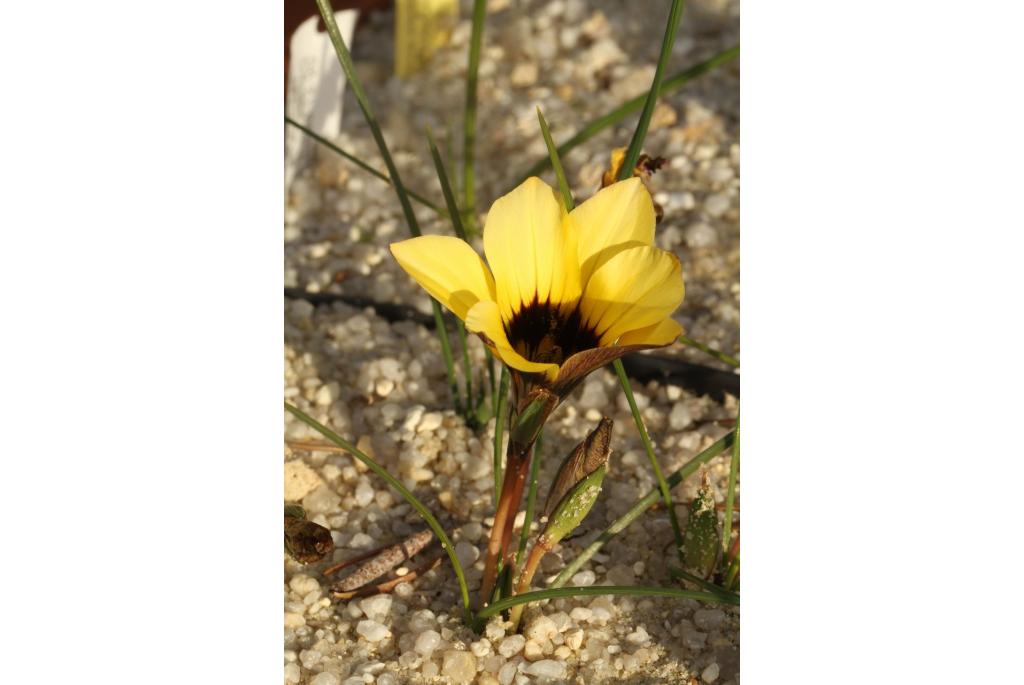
(310, 658)
(327, 394)
(292, 673)
(486, 679)
(429, 670)
(459, 666)
(533, 651)
(710, 674)
(700, 235)
(361, 541)
(638, 636)
(540, 628)
(466, 553)
(511, 645)
(709, 619)
(548, 668)
(325, 678)
(384, 387)
(679, 418)
(377, 607)
(387, 679)
(364, 493)
(302, 585)
(507, 673)
(716, 204)
(620, 574)
(299, 480)
(372, 631)
(472, 531)
(322, 500)
(574, 639)
(293, 620)
(584, 578)
(581, 614)
(524, 74)
(427, 642)
(431, 421)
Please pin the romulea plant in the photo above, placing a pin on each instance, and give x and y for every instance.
(564, 290)
(562, 293)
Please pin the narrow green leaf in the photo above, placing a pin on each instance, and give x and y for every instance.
(531, 498)
(637, 142)
(720, 356)
(360, 163)
(597, 590)
(469, 120)
(501, 419)
(603, 122)
(446, 188)
(556, 163)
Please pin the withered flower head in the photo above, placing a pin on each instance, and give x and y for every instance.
(304, 540)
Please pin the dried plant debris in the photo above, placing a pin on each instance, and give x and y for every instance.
(306, 541)
(381, 561)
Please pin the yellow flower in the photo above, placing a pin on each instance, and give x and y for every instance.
(565, 292)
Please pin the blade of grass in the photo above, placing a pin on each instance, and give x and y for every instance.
(720, 356)
(531, 498)
(730, 496)
(469, 120)
(649, 448)
(613, 117)
(360, 163)
(453, 213)
(327, 12)
(563, 185)
(642, 505)
(500, 418)
(637, 142)
(592, 590)
(403, 491)
(733, 572)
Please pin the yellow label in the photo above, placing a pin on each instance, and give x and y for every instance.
(421, 27)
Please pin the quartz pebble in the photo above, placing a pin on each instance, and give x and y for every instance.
(511, 645)
(710, 674)
(459, 666)
(372, 631)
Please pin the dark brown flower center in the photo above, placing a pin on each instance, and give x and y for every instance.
(546, 332)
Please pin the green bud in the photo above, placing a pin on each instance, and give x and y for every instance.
(573, 508)
(701, 541)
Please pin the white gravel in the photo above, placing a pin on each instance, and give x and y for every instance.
(382, 385)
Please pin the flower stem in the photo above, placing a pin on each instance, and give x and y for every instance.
(469, 120)
(526, 577)
(641, 506)
(504, 517)
(531, 498)
(637, 142)
(500, 419)
(658, 475)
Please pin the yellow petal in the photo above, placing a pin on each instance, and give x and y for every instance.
(621, 213)
(485, 318)
(634, 288)
(448, 269)
(530, 248)
(662, 333)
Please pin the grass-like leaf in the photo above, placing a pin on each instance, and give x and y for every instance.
(663, 485)
(500, 418)
(597, 590)
(327, 12)
(403, 491)
(469, 120)
(636, 144)
(730, 496)
(627, 108)
(360, 163)
(720, 356)
(531, 498)
(556, 163)
(643, 505)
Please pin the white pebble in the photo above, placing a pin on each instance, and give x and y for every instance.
(427, 642)
(302, 584)
(292, 673)
(547, 668)
(710, 674)
(540, 628)
(511, 645)
(372, 631)
(708, 619)
(701, 235)
(459, 666)
(377, 607)
(325, 678)
(466, 553)
(584, 578)
(507, 673)
(679, 418)
(364, 493)
(431, 421)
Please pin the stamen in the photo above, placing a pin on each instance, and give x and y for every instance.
(547, 332)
